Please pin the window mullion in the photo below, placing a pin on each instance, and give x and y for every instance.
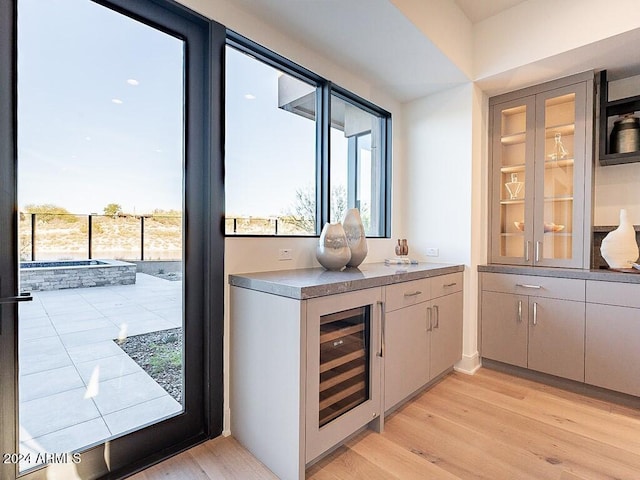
(323, 147)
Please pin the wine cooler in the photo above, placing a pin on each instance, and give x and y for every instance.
(344, 348)
(344, 370)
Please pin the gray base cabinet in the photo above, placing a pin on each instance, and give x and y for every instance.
(582, 330)
(534, 322)
(505, 323)
(422, 332)
(556, 337)
(306, 373)
(612, 351)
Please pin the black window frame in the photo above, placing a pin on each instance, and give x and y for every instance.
(325, 89)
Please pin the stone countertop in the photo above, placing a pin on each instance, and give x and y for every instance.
(305, 283)
(603, 275)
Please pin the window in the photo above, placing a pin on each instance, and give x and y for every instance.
(299, 151)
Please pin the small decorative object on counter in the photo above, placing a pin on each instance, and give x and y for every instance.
(399, 248)
(356, 238)
(402, 248)
(332, 251)
(619, 247)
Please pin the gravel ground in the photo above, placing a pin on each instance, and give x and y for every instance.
(160, 355)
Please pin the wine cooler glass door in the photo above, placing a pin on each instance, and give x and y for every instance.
(343, 371)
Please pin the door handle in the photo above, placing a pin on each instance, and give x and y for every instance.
(437, 315)
(23, 297)
(383, 321)
(535, 313)
(519, 311)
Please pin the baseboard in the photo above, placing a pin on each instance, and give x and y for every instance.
(468, 364)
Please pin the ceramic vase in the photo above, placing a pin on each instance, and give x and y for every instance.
(356, 238)
(619, 247)
(332, 251)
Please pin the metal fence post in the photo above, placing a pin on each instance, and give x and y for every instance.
(33, 237)
(142, 237)
(89, 235)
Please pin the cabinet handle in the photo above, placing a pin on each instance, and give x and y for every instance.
(383, 322)
(528, 285)
(437, 315)
(413, 294)
(450, 285)
(535, 313)
(519, 311)
(526, 250)
(429, 319)
(538, 249)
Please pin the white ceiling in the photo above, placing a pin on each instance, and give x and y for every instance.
(370, 35)
(375, 38)
(478, 10)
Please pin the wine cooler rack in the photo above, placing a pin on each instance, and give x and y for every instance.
(344, 362)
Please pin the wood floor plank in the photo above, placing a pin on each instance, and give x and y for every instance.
(489, 426)
(397, 461)
(607, 427)
(179, 467)
(459, 450)
(225, 458)
(346, 464)
(546, 442)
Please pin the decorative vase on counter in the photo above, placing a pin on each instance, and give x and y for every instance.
(402, 249)
(619, 247)
(356, 238)
(332, 251)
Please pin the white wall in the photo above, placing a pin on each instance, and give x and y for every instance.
(616, 186)
(260, 254)
(538, 29)
(444, 189)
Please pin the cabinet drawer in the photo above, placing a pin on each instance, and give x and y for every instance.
(548, 287)
(446, 284)
(614, 293)
(407, 293)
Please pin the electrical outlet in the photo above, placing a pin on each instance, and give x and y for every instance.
(285, 254)
(433, 252)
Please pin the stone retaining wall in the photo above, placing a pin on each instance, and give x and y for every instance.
(105, 273)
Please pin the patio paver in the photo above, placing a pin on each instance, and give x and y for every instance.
(77, 387)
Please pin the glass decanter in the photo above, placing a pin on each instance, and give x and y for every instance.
(514, 186)
(559, 152)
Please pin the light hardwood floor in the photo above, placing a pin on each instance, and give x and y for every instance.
(487, 426)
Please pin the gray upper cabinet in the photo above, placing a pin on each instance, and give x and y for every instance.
(540, 174)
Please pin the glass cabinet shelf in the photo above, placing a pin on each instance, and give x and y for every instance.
(513, 168)
(513, 138)
(564, 129)
(564, 198)
(565, 162)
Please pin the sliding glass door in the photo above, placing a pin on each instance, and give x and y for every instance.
(108, 188)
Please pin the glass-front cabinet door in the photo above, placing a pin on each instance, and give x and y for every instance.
(538, 182)
(513, 176)
(560, 163)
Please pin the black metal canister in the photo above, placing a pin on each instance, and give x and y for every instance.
(625, 136)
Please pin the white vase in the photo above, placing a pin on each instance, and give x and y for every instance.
(356, 238)
(619, 247)
(332, 251)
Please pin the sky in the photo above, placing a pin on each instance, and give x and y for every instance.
(100, 109)
(100, 118)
